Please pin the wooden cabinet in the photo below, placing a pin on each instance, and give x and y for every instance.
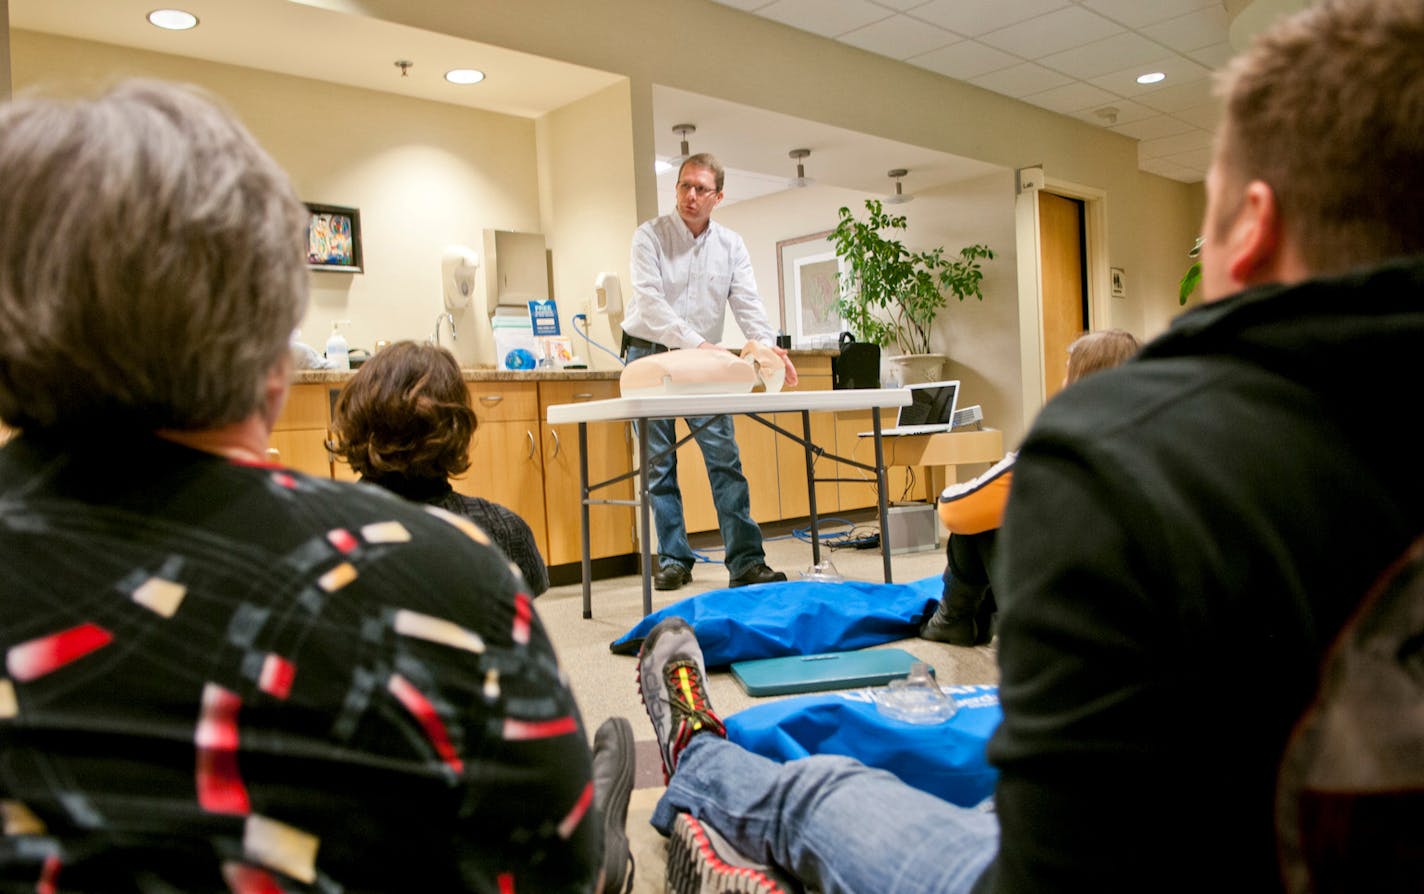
(299, 435)
(506, 465)
(612, 529)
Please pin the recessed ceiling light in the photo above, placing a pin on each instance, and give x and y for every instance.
(173, 19)
(464, 76)
(1151, 77)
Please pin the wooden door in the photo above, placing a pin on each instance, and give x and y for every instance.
(1065, 294)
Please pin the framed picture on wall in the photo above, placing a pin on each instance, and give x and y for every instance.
(809, 274)
(334, 238)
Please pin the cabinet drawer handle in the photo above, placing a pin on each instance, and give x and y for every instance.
(533, 445)
(584, 395)
(555, 433)
(491, 398)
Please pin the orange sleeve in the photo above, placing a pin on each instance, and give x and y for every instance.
(978, 505)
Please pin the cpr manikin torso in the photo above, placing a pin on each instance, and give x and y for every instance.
(703, 372)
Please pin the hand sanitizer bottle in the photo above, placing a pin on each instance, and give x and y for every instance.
(338, 353)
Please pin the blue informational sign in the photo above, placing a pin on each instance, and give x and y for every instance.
(544, 316)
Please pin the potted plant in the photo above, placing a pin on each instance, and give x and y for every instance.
(891, 295)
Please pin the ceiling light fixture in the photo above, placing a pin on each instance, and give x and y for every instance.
(898, 197)
(464, 76)
(1151, 77)
(404, 65)
(172, 19)
(800, 179)
(682, 130)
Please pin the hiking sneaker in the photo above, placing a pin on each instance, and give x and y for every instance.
(699, 861)
(672, 682)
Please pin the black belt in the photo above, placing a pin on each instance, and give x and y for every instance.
(636, 342)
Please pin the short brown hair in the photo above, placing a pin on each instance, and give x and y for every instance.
(1099, 350)
(1327, 108)
(705, 160)
(151, 263)
(405, 412)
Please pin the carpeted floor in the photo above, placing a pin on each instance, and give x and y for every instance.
(605, 684)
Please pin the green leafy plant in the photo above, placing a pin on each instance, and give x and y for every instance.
(890, 295)
(1192, 278)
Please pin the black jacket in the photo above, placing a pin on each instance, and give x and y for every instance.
(1185, 536)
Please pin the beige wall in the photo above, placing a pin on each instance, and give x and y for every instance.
(588, 208)
(424, 175)
(4, 50)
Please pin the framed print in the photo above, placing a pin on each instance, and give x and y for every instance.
(809, 274)
(334, 238)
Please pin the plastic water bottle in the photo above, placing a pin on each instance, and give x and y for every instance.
(916, 699)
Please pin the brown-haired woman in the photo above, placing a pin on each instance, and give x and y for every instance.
(404, 422)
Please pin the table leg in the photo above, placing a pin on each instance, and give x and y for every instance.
(583, 521)
(880, 485)
(644, 498)
(811, 489)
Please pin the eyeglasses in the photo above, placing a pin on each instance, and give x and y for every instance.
(696, 190)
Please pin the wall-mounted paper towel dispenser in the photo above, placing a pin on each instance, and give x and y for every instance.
(516, 269)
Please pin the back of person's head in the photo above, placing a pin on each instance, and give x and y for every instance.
(705, 160)
(151, 264)
(1098, 350)
(405, 412)
(1327, 108)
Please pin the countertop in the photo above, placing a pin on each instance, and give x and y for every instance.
(338, 376)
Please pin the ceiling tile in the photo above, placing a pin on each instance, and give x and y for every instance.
(1127, 112)
(1191, 31)
(1214, 56)
(1164, 168)
(1198, 159)
(1153, 128)
(1207, 115)
(901, 5)
(1137, 13)
(964, 60)
(975, 17)
(1021, 80)
(1104, 56)
(827, 18)
(1052, 32)
(899, 37)
(1177, 69)
(1179, 97)
(1072, 98)
(747, 5)
(1191, 140)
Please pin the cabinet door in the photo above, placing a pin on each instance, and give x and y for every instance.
(856, 495)
(791, 457)
(506, 468)
(299, 434)
(611, 528)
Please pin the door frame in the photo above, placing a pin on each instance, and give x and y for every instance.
(1028, 183)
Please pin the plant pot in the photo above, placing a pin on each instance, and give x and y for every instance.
(911, 369)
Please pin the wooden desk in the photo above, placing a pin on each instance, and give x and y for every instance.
(941, 453)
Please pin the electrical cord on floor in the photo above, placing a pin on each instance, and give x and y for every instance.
(591, 343)
(857, 537)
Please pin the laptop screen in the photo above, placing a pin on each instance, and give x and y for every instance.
(931, 403)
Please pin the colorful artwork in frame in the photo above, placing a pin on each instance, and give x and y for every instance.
(334, 238)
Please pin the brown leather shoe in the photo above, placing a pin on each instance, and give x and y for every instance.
(671, 577)
(757, 574)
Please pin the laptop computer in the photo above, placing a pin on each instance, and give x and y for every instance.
(830, 670)
(931, 409)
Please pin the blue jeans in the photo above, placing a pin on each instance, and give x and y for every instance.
(834, 823)
(740, 535)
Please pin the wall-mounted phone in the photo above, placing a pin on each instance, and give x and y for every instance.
(609, 294)
(457, 273)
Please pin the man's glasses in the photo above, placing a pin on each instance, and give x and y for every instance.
(696, 190)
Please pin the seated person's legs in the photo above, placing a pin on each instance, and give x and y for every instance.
(966, 610)
(830, 821)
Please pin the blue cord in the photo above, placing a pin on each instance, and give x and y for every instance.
(591, 343)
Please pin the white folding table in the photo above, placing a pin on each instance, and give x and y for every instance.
(752, 404)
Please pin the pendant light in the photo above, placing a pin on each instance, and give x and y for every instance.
(800, 179)
(898, 197)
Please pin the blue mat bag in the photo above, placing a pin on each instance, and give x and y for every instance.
(795, 618)
(944, 759)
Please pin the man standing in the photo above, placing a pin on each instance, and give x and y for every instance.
(1186, 535)
(687, 270)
